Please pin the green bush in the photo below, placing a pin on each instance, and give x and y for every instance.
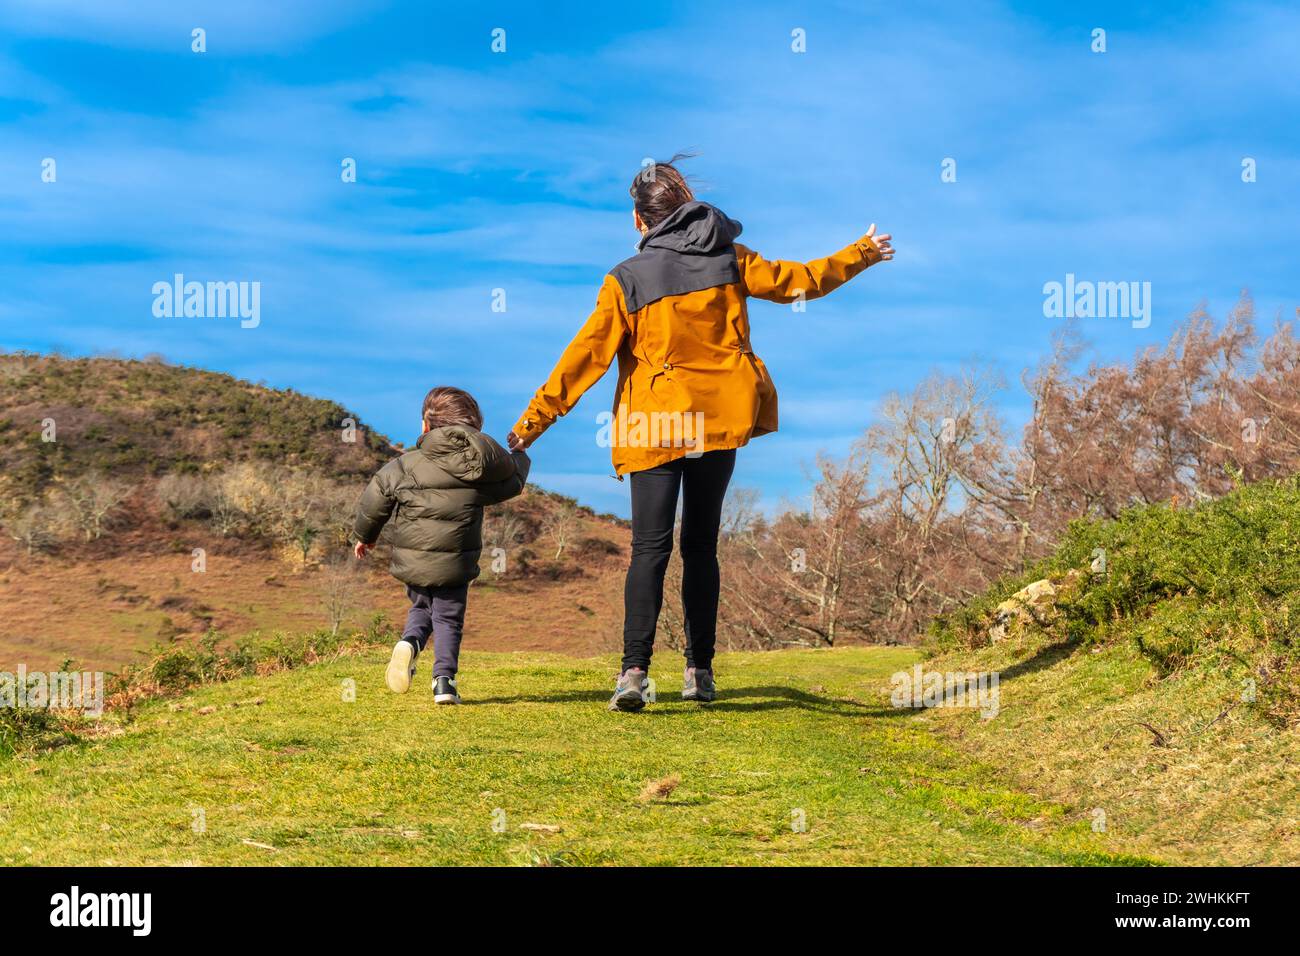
(26, 730)
(173, 668)
(1217, 585)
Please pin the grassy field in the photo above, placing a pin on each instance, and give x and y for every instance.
(801, 761)
(1175, 765)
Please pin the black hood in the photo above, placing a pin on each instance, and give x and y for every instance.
(690, 250)
(693, 228)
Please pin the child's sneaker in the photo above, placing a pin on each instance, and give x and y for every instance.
(401, 667)
(629, 694)
(444, 691)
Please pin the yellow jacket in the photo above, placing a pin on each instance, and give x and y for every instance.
(688, 380)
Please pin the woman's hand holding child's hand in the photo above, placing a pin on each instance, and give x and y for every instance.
(513, 442)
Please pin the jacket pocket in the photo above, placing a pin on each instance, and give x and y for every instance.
(763, 384)
(666, 393)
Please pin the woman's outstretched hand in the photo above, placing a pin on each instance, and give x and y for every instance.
(882, 242)
(513, 443)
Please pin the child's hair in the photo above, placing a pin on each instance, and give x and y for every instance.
(446, 405)
(658, 189)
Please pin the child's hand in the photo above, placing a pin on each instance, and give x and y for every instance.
(361, 550)
(882, 242)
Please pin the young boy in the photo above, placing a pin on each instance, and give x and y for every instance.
(432, 498)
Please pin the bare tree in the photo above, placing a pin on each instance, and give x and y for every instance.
(504, 526)
(821, 557)
(338, 509)
(929, 548)
(91, 501)
(297, 515)
(35, 527)
(1012, 485)
(797, 579)
(183, 496)
(340, 592)
(560, 523)
(226, 515)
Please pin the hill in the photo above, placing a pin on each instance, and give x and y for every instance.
(137, 419)
(151, 461)
(1157, 679)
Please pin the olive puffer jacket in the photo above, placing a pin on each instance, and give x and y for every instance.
(432, 499)
(676, 319)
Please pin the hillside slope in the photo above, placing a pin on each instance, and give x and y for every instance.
(797, 763)
(135, 419)
(100, 596)
(1161, 686)
(107, 612)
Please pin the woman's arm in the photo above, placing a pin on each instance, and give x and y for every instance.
(780, 281)
(581, 365)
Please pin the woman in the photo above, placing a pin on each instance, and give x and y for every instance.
(674, 315)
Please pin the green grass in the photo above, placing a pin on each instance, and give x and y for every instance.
(1209, 588)
(1218, 787)
(1167, 690)
(388, 779)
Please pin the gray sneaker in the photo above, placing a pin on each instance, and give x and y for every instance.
(697, 685)
(629, 695)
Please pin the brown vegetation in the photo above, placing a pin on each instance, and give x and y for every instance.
(142, 502)
(936, 502)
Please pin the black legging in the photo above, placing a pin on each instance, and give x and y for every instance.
(703, 481)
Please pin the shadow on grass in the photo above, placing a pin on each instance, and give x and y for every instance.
(736, 699)
(1045, 657)
(567, 697)
(771, 697)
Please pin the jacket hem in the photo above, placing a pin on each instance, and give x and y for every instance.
(672, 454)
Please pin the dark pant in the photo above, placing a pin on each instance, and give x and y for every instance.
(440, 611)
(703, 483)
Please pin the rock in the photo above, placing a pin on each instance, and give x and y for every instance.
(540, 827)
(1037, 603)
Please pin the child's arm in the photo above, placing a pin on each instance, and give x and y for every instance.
(780, 281)
(496, 492)
(375, 508)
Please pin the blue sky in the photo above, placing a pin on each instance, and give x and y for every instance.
(480, 170)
